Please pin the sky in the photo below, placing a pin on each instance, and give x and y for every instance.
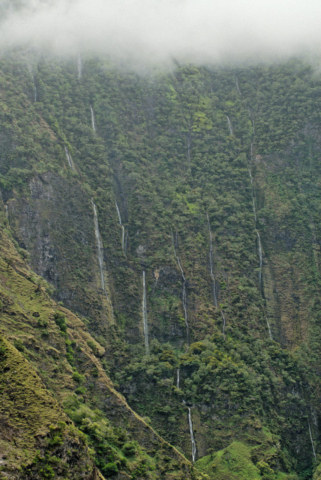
(160, 31)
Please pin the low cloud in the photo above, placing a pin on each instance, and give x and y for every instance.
(158, 31)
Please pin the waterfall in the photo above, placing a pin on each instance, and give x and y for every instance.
(269, 328)
(237, 86)
(100, 248)
(229, 125)
(211, 262)
(33, 81)
(189, 148)
(93, 119)
(312, 442)
(122, 227)
(192, 434)
(260, 256)
(69, 159)
(79, 66)
(7, 211)
(250, 114)
(145, 315)
(253, 198)
(177, 379)
(224, 323)
(184, 294)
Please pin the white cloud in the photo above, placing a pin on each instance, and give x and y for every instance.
(160, 30)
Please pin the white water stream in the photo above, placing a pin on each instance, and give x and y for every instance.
(260, 257)
(33, 81)
(229, 124)
(93, 119)
(184, 294)
(69, 159)
(312, 442)
(189, 148)
(269, 328)
(211, 262)
(192, 434)
(252, 120)
(237, 86)
(79, 66)
(122, 227)
(224, 323)
(145, 315)
(7, 211)
(99, 248)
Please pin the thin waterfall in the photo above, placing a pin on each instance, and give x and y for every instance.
(312, 442)
(69, 159)
(224, 323)
(100, 248)
(237, 86)
(252, 120)
(145, 315)
(79, 66)
(184, 295)
(260, 257)
(122, 227)
(7, 211)
(269, 328)
(93, 119)
(33, 81)
(211, 262)
(189, 148)
(229, 124)
(177, 378)
(192, 434)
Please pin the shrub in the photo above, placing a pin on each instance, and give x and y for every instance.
(78, 377)
(129, 449)
(110, 469)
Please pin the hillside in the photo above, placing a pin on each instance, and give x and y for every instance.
(175, 218)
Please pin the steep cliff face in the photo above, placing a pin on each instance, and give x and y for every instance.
(38, 438)
(206, 201)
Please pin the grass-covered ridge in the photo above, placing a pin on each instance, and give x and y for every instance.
(53, 342)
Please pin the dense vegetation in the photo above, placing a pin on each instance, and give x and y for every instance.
(209, 167)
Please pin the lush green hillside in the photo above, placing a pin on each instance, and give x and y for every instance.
(215, 173)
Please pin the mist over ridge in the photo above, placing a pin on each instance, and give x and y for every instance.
(156, 32)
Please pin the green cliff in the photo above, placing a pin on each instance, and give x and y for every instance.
(210, 191)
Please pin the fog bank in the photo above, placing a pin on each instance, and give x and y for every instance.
(150, 31)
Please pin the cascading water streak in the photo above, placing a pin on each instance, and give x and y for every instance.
(69, 159)
(184, 294)
(99, 247)
(224, 323)
(237, 86)
(122, 227)
(145, 323)
(192, 434)
(93, 119)
(229, 124)
(189, 149)
(79, 67)
(252, 120)
(211, 262)
(312, 442)
(260, 256)
(269, 328)
(7, 211)
(33, 81)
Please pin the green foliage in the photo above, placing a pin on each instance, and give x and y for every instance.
(60, 320)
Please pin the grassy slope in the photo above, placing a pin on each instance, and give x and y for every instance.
(27, 321)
